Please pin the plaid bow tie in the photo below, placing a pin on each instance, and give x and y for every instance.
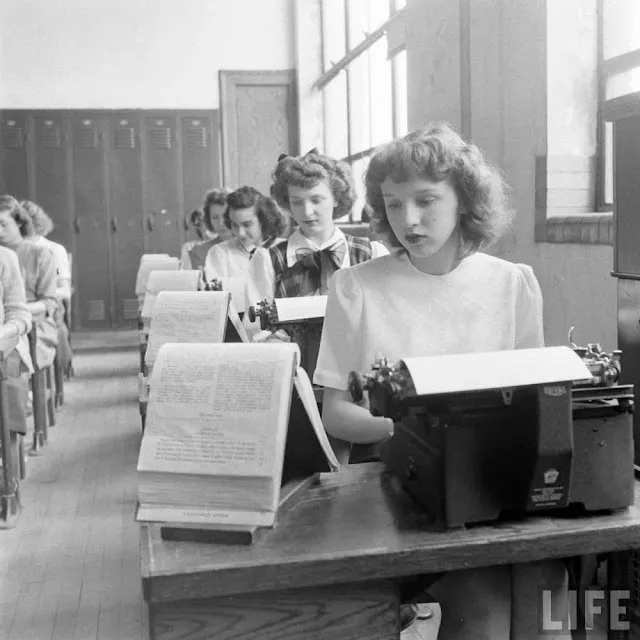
(317, 267)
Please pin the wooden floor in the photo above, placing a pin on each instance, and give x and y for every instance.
(70, 567)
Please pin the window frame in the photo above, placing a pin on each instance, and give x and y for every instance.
(344, 66)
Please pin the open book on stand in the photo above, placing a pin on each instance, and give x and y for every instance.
(212, 457)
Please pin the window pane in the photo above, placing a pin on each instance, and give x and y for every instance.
(359, 168)
(381, 94)
(333, 32)
(359, 104)
(400, 93)
(378, 13)
(621, 27)
(336, 137)
(622, 83)
(358, 25)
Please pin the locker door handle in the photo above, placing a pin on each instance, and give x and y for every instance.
(114, 225)
(150, 224)
(76, 225)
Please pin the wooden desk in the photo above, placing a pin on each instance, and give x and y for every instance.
(326, 571)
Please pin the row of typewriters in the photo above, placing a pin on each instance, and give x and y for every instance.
(515, 441)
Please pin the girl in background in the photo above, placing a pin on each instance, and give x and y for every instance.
(42, 227)
(316, 190)
(38, 265)
(255, 221)
(15, 320)
(439, 203)
(214, 208)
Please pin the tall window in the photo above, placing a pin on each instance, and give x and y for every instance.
(364, 83)
(619, 75)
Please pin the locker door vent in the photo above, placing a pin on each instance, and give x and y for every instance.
(130, 308)
(96, 310)
(12, 136)
(48, 134)
(196, 138)
(125, 138)
(87, 136)
(161, 137)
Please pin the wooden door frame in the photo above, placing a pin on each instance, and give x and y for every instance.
(229, 81)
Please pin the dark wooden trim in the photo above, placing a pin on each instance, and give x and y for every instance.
(622, 107)
(229, 80)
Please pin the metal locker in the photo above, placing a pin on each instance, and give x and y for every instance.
(126, 211)
(14, 171)
(50, 168)
(162, 188)
(93, 237)
(200, 157)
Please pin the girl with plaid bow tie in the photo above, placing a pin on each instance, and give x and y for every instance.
(316, 190)
(439, 203)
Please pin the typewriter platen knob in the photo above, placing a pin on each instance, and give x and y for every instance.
(251, 312)
(355, 386)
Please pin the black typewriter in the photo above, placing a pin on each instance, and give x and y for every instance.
(306, 332)
(479, 456)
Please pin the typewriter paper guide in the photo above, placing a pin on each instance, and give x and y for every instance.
(163, 280)
(236, 287)
(304, 308)
(494, 370)
(153, 264)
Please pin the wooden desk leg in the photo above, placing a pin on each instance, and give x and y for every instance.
(345, 612)
(39, 410)
(619, 585)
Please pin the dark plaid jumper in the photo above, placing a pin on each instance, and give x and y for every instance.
(289, 279)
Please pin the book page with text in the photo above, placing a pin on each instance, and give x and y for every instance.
(303, 308)
(168, 281)
(186, 316)
(155, 264)
(219, 409)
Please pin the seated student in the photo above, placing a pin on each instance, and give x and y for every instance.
(440, 203)
(316, 190)
(255, 221)
(214, 208)
(15, 319)
(38, 265)
(42, 227)
(196, 223)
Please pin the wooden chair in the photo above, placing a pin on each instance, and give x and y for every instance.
(9, 447)
(42, 388)
(59, 376)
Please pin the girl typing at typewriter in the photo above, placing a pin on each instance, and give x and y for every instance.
(439, 203)
(255, 221)
(316, 190)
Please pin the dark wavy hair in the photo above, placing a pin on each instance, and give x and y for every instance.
(42, 223)
(307, 171)
(437, 153)
(214, 196)
(17, 212)
(272, 222)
